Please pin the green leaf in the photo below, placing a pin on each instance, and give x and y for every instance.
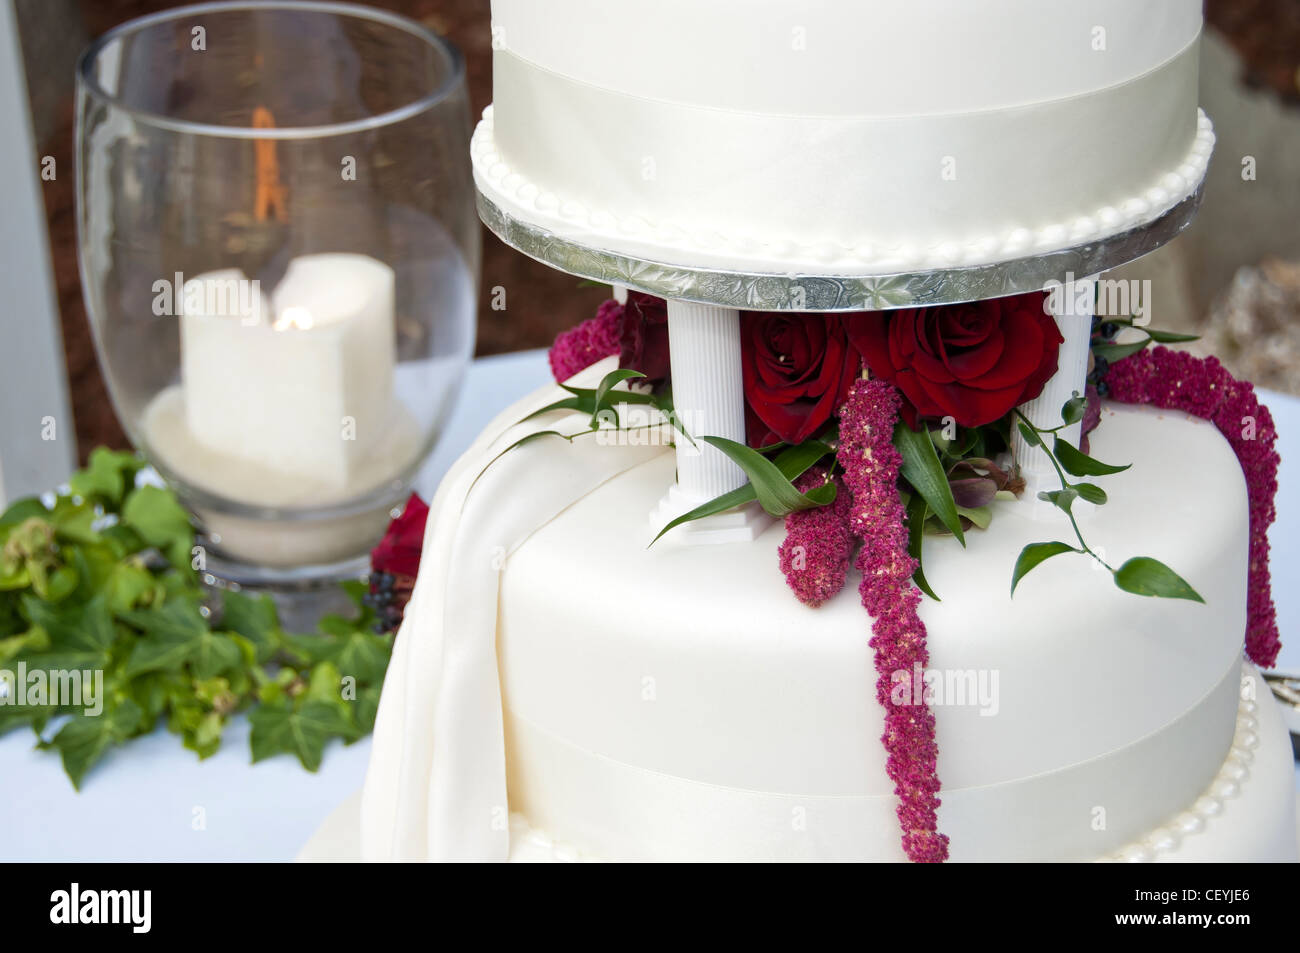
(916, 515)
(980, 516)
(1117, 352)
(1090, 492)
(719, 504)
(1030, 434)
(172, 635)
(365, 708)
(776, 492)
(664, 404)
(277, 728)
(80, 636)
(922, 469)
(20, 511)
(793, 462)
(84, 739)
(35, 639)
(1032, 555)
(1061, 499)
(1077, 463)
(1073, 409)
(214, 653)
(130, 587)
(74, 523)
(1145, 576)
(253, 618)
(161, 522)
(1170, 337)
(605, 398)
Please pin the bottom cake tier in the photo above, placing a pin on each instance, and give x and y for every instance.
(676, 702)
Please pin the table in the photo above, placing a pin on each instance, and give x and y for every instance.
(153, 800)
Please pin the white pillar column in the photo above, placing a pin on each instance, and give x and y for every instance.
(709, 396)
(1072, 307)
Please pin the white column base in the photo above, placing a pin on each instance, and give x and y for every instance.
(741, 525)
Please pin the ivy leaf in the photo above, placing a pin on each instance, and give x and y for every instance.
(161, 522)
(776, 493)
(1145, 576)
(74, 522)
(1090, 492)
(365, 708)
(107, 477)
(129, 587)
(355, 652)
(1032, 555)
(278, 728)
(1077, 463)
(84, 739)
(213, 654)
(80, 636)
(172, 635)
(253, 618)
(922, 469)
(916, 516)
(20, 511)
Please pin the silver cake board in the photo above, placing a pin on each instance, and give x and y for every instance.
(753, 291)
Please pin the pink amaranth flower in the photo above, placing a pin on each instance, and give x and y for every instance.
(818, 543)
(871, 465)
(597, 338)
(1176, 380)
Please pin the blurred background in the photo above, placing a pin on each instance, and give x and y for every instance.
(1234, 276)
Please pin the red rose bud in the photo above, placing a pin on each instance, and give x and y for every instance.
(644, 337)
(797, 369)
(395, 563)
(972, 362)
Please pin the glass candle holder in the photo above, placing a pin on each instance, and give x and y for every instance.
(279, 256)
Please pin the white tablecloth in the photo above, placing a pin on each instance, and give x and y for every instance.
(153, 800)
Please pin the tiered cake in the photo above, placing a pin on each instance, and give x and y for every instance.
(560, 683)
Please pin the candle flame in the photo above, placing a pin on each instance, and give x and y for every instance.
(271, 194)
(294, 317)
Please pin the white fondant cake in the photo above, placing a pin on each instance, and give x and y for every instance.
(675, 701)
(846, 136)
(686, 707)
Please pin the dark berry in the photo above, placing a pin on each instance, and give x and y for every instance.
(1109, 330)
(1103, 389)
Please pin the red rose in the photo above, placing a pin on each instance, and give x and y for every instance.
(797, 370)
(644, 336)
(398, 552)
(972, 362)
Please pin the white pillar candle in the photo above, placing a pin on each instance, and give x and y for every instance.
(303, 387)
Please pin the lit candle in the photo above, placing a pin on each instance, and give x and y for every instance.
(302, 387)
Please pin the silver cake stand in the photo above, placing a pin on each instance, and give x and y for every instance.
(824, 293)
(704, 306)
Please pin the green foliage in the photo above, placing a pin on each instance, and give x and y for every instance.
(99, 580)
(1141, 575)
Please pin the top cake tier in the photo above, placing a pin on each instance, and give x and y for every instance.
(841, 136)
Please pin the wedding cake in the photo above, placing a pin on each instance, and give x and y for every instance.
(924, 593)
